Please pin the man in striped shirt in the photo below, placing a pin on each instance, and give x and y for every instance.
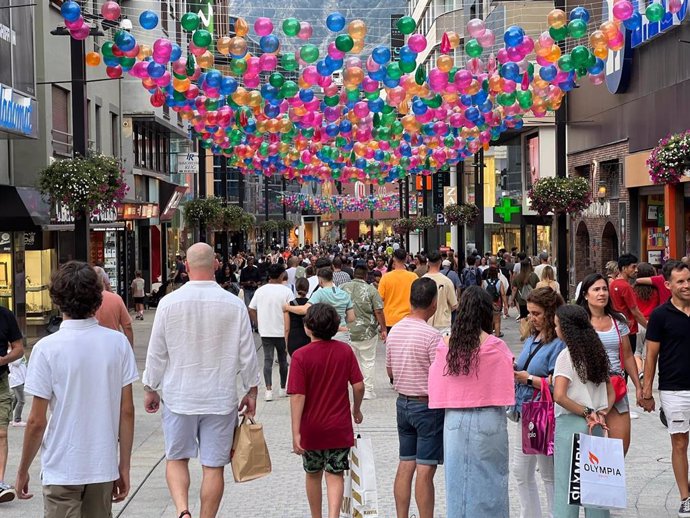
(410, 351)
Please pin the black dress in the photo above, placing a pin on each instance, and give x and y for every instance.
(297, 337)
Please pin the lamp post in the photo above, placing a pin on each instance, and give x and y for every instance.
(561, 172)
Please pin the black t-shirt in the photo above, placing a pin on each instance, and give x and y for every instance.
(671, 328)
(9, 332)
(250, 274)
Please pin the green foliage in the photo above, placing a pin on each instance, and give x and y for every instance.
(560, 195)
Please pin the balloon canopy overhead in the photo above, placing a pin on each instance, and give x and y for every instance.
(313, 116)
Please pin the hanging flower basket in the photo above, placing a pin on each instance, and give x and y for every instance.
(425, 222)
(203, 211)
(403, 225)
(270, 226)
(233, 218)
(371, 222)
(340, 222)
(91, 184)
(460, 214)
(285, 224)
(670, 159)
(560, 196)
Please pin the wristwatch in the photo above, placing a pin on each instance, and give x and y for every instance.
(149, 389)
(530, 381)
(587, 412)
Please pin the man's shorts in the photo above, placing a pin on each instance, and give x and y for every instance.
(676, 406)
(207, 436)
(420, 431)
(335, 460)
(82, 500)
(5, 401)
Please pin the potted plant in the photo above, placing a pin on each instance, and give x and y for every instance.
(460, 214)
(203, 211)
(233, 218)
(90, 184)
(425, 222)
(570, 195)
(403, 225)
(371, 222)
(670, 159)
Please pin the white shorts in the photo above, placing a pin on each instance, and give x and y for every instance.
(208, 436)
(676, 406)
(641, 349)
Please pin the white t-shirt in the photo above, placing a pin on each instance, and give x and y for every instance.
(17, 372)
(587, 394)
(138, 287)
(313, 283)
(291, 278)
(268, 302)
(81, 370)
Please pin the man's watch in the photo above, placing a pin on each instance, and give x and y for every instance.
(587, 411)
(149, 389)
(530, 381)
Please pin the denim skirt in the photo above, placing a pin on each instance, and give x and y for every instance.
(475, 445)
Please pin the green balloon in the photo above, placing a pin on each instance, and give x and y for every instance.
(352, 94)
(393, 70)
(406, 25)
(581, 71)
(276, 79)
(202, 38)
(559, 34)
(344, 43)
(473, 48)
(408, 66)
(291, 26)
(505, 99)
(577, 28)
(655, 12)
(420, 76)
(579, 56)
(107, 49)
(388, 117)
(449, 141)
(524, 99)
(288, 61)
(331, 101)
(309, 53)
(372, 96)
(238, 66)
(397, 128)
(126, 62)
(289, 89)
(565, 63)
(190, 22)
(451, 74)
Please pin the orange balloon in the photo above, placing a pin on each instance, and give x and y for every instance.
(358, 47)
(454, 39)
(237, 46)
(557, 19)
(357, 29)
(554, 54)
(205, 60)
(93, 59)
(241, 27)
(149, 83)
(610, 29)
(144, 52)
(598, 39)
(444, 63)
(223, 45)
(601, 52)
(181, 85)
(353, 76)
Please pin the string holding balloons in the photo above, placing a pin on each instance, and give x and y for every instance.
(274, 112)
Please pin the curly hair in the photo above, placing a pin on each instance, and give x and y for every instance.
(322, 320)
(644, 270)
(76, 289)
(587, 283)
(548, 300)
(587, 353)
(475, 315)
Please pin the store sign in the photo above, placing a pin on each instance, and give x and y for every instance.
(18, 113)
(450, 195)
(131, 211)
(619, 63)
(505, 209)
(187, 163)
(63, 216)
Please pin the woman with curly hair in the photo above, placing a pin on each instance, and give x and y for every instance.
(535, 366)
(612, 330)
(583, 396)
(472, 379)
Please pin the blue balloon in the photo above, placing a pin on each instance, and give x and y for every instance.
(213, 78)
(407, 54)
(323, 69)
(376, 105)
(511, 71)
(345, 126)
(548, 73)
(634, 22)
(378, 154)
(333, 64)
(332, 130)
(381, 55)
(155, 70)
(390, 82)
(513, 36)
(418, 107)
(124, 41)
(70, 11)
(269, 43)
(378, 75)
(176, 52)
(268, 91)
(271, 111)
(111, 61)
(598, 67)
(148, 20)
(580, 13)
(486, 106)
(472, 114)
(306, 95)
(335, 22)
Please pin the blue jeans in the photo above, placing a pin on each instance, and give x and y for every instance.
(475, 445)
(420, 431)
(566, 426)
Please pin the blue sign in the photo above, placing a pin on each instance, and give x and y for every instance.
(18, 114)
(619, 63)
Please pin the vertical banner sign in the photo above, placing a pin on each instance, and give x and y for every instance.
(441, 181)
(397, 37)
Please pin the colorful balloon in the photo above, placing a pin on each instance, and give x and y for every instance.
(335, 22)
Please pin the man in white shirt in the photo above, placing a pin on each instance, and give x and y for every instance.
(266, 310)
(293, 263)
(201, 339)
(83, 368)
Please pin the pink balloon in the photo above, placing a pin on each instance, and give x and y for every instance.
(268, 62)
(81, 33)
(334, 52)
(305, 31)
(487, 39)
(597, 79)
(310, 75)
(502, 56)
(110, 10)
(545, 40)
(113, 72)
(463, 78)
(476, 27)
(622, 10)
(416, 42)
(76, 24)
(674, 6)
(252, 82)
(263, 26)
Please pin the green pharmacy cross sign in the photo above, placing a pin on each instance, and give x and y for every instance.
(506, 209)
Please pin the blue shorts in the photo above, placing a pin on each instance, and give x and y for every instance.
(420, 431)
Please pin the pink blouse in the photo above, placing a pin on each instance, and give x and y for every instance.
(491, 385)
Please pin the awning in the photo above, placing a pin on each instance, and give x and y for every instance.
(170, 195)
(22, 208)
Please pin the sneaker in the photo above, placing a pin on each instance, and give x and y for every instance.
(7, 493)
(282, 392)
(268, 395)
(634, 415)
(369, 395)
(684, 510)
(19, 424)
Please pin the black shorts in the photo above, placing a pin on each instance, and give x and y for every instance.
(139, 300)
(335, 460)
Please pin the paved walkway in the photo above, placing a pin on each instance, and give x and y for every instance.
(651, 487)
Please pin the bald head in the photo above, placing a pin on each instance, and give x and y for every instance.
(200, 262)
(105, 280)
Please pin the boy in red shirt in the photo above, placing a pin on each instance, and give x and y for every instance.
(320, 406)
(623, 296)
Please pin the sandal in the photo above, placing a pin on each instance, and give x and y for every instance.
(185, 513)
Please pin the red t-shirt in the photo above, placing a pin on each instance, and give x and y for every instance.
(658, 282)
(647, 306)
(321, 371)
(623, 299)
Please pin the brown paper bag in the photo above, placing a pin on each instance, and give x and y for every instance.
(250, 458)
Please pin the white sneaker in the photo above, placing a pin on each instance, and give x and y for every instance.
(282, 392)
(369, 395)
(684, 510)
(19, 424)
(634, 415)
(7, 493)
(268, 395)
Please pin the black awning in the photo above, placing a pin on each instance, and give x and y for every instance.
(22, 208)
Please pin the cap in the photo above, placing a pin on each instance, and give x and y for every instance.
(446, 263)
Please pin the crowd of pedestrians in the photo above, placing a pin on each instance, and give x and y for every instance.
(322, 312)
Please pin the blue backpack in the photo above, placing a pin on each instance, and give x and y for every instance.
(471, 276)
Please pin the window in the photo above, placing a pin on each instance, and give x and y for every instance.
(610, 176)
(164, 16)
(178, 26)
(531, 159)
(98, 129)
(115, 135)
(61, 137)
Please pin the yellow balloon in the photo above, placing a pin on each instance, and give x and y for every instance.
(357, 29)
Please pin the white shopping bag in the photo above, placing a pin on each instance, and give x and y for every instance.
(602, 472)
(360, 499)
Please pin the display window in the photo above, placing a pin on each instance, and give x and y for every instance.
(653, 228)
(6, 272)
(39, 266)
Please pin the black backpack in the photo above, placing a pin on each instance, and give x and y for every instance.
(493, 289)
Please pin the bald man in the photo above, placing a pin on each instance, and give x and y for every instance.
(201, 339)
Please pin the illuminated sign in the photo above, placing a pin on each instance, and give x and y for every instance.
(18, 113)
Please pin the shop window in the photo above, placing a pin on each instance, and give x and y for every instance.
(115, 135)
(61, 136)
(610, 176)
(39, 265)
(531, 160)
(583, 171)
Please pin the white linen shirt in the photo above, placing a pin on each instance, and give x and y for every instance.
(200, 341)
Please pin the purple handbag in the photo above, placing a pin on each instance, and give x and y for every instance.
(538, 423)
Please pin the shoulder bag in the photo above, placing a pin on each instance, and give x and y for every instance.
(620, 384)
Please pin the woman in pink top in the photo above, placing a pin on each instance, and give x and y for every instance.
(472, 379)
